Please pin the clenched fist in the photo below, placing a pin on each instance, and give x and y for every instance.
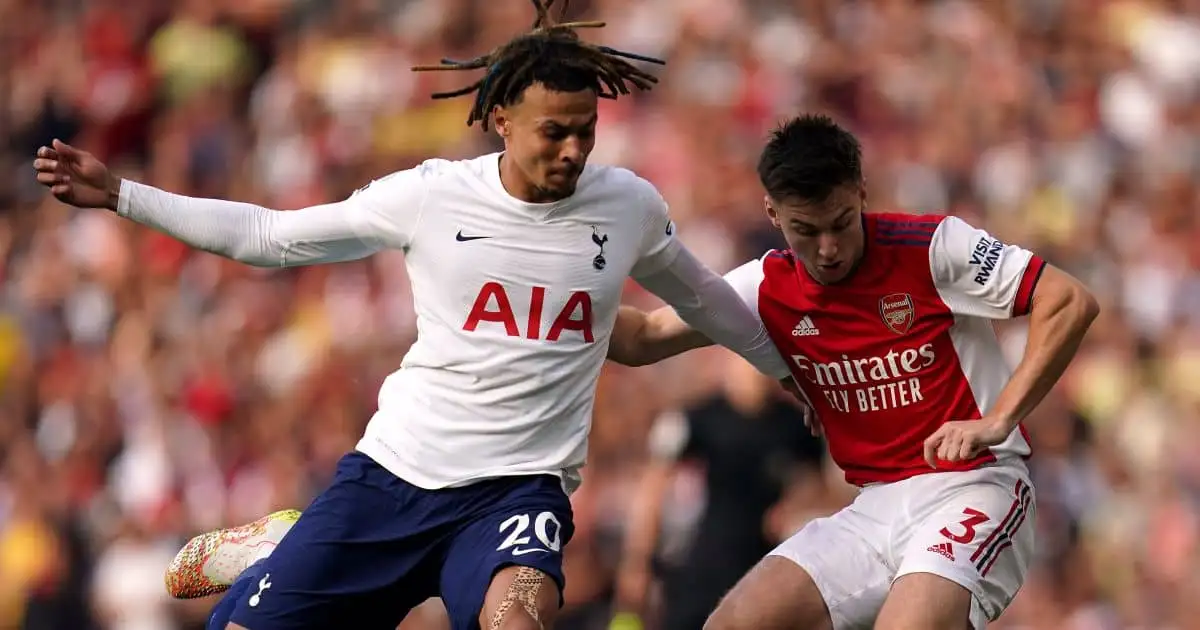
(960, 441)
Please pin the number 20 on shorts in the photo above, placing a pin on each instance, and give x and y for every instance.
(546, 529)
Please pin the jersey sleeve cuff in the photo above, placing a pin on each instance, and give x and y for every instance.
(123, 196)
(1029, 280)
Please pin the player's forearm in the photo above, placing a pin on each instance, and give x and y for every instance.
(1061, 312)
(241, 231)
(641, 338)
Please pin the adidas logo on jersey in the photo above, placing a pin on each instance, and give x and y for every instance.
(805, 328)
(945, 550)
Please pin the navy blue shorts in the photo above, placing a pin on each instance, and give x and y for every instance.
(372, 547)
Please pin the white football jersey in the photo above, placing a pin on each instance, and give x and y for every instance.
(515, 303)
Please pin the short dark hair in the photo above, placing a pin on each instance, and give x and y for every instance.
(551, 54)
(807, 158)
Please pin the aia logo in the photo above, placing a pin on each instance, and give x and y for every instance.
(898, 312)
(492, 304)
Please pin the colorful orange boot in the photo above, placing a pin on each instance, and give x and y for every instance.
(209, 563)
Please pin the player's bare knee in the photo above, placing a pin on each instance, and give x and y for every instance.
(518, 619)
(925, 601)
(512, 616)
(725, 617)
(234, 626)
(776, 595)
(733, 612)
(920, 624)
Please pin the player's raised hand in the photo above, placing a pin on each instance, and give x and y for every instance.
(76, 177)
(961, 441)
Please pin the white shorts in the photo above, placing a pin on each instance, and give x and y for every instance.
(975, 528)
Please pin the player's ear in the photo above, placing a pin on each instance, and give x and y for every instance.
(502, 122)
(771, 213)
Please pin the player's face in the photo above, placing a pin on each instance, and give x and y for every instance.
(827, 236)
(548, 136)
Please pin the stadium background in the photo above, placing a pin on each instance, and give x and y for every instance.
(151, 392)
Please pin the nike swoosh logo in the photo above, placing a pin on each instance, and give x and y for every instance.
(462, 239)
(521, 552)
(670, 227)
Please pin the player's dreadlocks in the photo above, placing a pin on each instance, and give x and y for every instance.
(551, 54)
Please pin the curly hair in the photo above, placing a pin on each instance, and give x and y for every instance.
(551, 54)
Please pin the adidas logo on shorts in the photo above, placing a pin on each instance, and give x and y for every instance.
(805, 328)
(945, 550)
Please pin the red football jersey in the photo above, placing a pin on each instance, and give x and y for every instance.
(901, 346)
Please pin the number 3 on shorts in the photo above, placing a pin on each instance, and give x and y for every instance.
(974, 518)
(546, 529)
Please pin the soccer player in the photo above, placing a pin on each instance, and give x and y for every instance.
(459, 487)
(886, 320)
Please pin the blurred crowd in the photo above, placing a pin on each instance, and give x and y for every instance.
(151, 392)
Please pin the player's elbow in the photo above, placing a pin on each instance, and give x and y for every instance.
(628, 357)
(255, 242)
(1088, 306)
(640, 353)
(637, 361)
(627, 346)
(641, 338)
(1080, 304)
(1066, 297)
(254, 257)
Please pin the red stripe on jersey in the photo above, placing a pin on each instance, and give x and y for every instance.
(892, 225)
(906, 241)
(904, 229)
(900, 218)
(1029, 280)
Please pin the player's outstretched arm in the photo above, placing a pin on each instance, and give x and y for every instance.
(641, 338)
(710, 305)
(702, 299)
(244, 232)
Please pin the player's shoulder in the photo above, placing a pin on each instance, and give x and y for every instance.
(608, 180)
(765, 273)
(614, 176)
(424, 173)
(772, 264)
(475, 167)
